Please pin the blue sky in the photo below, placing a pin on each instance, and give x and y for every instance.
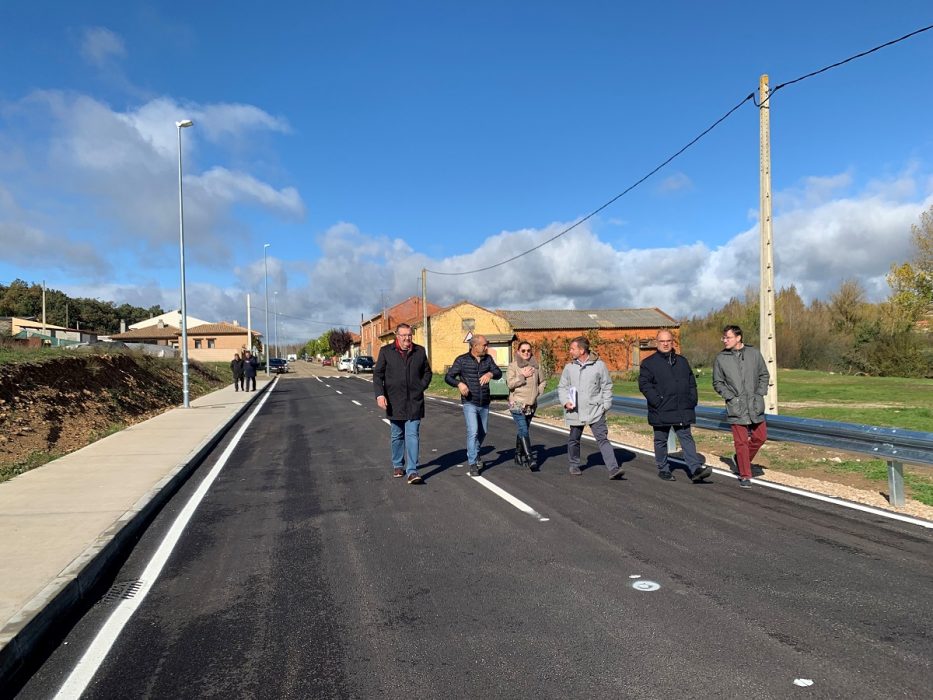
(367, 140)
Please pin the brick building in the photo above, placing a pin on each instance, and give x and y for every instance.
(377, 330)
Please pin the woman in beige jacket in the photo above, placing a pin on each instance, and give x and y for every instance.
(526, 383)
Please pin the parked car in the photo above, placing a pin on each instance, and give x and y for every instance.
(345, 364)
(278, 365)
(364, 363)
(327, 362)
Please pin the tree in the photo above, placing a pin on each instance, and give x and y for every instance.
(339, 340)
(912, 282)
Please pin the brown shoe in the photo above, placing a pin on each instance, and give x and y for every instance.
(415, 478)
(398, 473)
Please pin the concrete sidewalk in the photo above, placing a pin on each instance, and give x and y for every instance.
(61, 525)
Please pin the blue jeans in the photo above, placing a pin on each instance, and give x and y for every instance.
(405, 439)
(522, 422)
(477, 418)
(686, 442)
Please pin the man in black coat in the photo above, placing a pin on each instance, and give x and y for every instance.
(400, 376)
(670, 388)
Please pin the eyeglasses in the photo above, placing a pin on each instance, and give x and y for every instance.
(525, 351)
(404, 335)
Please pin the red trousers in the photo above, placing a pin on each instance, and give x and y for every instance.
(748, 440)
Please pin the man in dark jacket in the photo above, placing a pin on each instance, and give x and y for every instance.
(250, 363)
(670, 388)
(400, 376)
(471, 373)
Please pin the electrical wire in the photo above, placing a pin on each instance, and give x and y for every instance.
(628, 189)
(306, 320)
(852, 58)
(593, 213)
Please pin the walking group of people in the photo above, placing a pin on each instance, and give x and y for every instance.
(402, 373)
(244, 371)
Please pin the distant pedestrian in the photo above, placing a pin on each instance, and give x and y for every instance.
(250, 363)
(471, 373)
(741, 377)
(400, 377)
(526, 382)
(670, 388)
(236, 367)
(585, 391)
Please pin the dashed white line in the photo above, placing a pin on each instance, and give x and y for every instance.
(509, 498)
(356, 402)
(338, 391)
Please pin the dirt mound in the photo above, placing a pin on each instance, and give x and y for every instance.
(58, 405)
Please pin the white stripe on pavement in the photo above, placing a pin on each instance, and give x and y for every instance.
(338, 391)
(76, 683)
(772, 485)
(356, 402)
(509, 498)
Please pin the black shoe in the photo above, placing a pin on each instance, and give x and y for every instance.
(700, 474)
(665, 475)
(531, 459)
(520, 460)
(745, 483)
(616, 473)
(473, 470)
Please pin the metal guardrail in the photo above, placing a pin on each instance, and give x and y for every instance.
(894, 445)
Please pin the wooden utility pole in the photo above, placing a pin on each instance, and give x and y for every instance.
(768, 340)
(424, 311)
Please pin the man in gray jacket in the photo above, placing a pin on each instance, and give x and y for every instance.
(741, 377)
(585, 390)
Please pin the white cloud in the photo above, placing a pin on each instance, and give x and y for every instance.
(99, 46)
(117, 170)
(818, 243)
(675, 183)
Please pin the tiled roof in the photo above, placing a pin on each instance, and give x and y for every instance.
(148, 332)
(220, 329)
(556, 319)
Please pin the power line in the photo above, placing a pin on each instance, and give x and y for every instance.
(611, 201)
(751, 96)
(852, 58)
(309, 320)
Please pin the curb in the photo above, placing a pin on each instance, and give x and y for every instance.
(37, 619)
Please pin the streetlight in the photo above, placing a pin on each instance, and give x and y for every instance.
(183, 124)
(275, 322)
(265, 344)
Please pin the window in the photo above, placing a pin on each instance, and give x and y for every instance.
(197, 344)
(211, 342)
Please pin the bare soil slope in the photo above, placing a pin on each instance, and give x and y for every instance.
(58, 405)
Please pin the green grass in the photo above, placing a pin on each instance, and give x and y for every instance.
(902, 403)
(33, 460)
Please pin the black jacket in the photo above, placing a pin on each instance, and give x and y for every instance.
(466, 369)
(402, 379)
(236, 366)
(249, 367)
(668, 384)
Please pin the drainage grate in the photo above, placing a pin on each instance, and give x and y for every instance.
(122, 590)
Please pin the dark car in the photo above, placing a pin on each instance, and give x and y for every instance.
(278, 365)
(364, 363)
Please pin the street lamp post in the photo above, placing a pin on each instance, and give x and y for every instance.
(183, 124)
(275, 321)
(265, 345)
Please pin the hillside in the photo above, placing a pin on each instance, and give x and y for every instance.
(53, 405)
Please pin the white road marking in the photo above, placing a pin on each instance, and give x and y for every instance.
(386, 421)
(319, 379)
(327, 385)
(338, 391)
(770, 484)
(647, 586)
(356, 402)
(803, 682)
(509, 498)
(82, 674)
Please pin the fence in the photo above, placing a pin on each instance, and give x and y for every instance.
(894, 445)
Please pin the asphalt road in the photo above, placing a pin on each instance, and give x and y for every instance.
(308, 571)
